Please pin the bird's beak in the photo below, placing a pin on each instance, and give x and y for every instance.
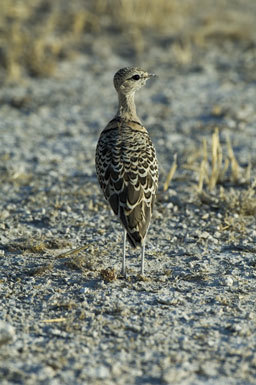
(152, 75)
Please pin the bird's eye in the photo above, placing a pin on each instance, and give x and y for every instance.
(136, 77)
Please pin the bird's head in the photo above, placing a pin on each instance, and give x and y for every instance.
(129, 79)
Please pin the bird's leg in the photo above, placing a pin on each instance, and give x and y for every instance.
(123, 262)
(142, 258)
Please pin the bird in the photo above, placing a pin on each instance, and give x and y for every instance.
(126, 163)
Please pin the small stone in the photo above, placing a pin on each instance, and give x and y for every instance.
(7, 333)
(205, 235)
(228, 281)
(84, 290)
(4, 214)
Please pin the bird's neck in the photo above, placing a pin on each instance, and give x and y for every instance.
(126, 108)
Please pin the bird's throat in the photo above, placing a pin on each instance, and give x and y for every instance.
(126, 109)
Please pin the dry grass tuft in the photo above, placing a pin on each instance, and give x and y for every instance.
(82, 262)
(215, 167)
(171, 173)
(36, 246)
(40, 270)
(240, 202)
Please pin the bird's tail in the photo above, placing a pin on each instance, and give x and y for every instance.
(135, 239)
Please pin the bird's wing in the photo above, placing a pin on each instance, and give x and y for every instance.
(127, 170)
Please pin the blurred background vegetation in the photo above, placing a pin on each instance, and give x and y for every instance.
(36, 34)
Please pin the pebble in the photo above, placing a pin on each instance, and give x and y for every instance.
(7, 333)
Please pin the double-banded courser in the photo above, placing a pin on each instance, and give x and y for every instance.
(126, 163)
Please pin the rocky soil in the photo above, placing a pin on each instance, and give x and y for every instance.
(75, 319)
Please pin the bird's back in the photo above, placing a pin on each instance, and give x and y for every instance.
(127, 170)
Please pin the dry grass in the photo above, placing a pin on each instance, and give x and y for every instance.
(224, 184)
(240, 211)
(238, 206)
(35, 34)
(36, 246)
(241, 202)
(171, 173)
(215, 165)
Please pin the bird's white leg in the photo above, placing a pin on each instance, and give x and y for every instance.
(142, 258)
(123, 262)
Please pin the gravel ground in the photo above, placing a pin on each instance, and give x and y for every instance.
(75, 320)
